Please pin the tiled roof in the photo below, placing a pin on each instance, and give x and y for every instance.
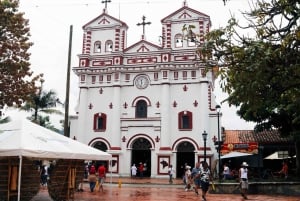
(270, 137)
(243, 136)
(238, 136)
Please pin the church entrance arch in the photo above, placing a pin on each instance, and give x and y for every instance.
(102, 147)
(141, 153)
(185, 155)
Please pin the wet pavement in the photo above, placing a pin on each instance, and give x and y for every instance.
(153, 190)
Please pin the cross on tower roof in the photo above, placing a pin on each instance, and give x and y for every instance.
(106, 1)
(143, 23)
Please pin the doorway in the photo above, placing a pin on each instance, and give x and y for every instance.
(185, 155)
(141, 153)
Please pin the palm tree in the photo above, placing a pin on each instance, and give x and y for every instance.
(43, 101)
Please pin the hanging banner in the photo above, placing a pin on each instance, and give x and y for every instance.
(250, 147)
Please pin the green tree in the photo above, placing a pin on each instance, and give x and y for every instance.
(260, 72)
(42, 102)
(16, 80)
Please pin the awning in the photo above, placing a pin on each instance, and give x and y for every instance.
(278, 155)
(235, 154)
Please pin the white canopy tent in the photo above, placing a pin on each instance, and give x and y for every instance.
(278, 155)
(23, 138)
(235, 154)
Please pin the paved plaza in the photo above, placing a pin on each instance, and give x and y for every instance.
(154, 190)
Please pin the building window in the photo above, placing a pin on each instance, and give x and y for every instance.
(155, 76)
(176, 75)
(100, 78)
(116, 76)
(82, 78)
(100, 122)
(184, 75)
(109, 46)
(141, 109)
(97, 47)
(165, 74)
(178, 40)
(193, 74)
(127, 77)
(108, 78)
(185, 119)
(93, 79)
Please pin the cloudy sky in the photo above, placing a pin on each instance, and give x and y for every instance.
(50, 22)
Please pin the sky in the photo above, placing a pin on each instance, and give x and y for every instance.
(50, 22)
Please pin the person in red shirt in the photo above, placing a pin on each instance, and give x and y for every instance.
(141, 169)
(92, 177)
(284, 170)
(101, 176)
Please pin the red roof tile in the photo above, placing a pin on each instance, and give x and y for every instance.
(244, 136)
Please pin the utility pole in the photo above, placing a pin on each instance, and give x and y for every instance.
(66, 122)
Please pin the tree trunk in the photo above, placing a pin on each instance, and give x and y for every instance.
(35, 113)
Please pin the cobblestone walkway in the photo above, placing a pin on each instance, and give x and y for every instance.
(154, 190)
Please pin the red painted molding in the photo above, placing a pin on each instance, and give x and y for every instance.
(115, 148)
(165, 149)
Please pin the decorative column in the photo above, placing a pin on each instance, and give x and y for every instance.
(165, 138)
(83, 109)
(204, 106)
(116, 111)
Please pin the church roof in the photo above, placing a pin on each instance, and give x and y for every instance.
(185, 13)
(142, 46)
(105, 19)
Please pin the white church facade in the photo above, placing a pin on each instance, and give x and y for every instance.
(146, 102)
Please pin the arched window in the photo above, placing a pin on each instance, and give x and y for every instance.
(178, 40)
(185, 120)
(97, 47)
(100, 145)
(109, 46)
(141, 109)
(100, 122)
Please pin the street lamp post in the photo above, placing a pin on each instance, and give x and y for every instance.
(218, 108)
(204, 135)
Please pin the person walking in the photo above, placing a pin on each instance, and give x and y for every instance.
(196, 176)
(188, 178)
(44, 175)
(205, 177)
(133, 171)
(171, 171)
(226, 172)
(92, 177)
(243, 176)
(101, 176)
(284, 170)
